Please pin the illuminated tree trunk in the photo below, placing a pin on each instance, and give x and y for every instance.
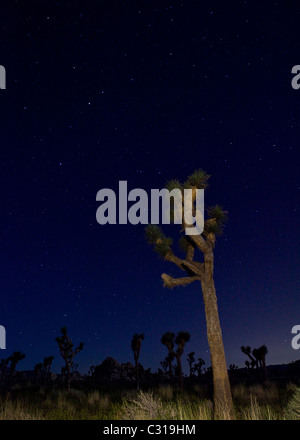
(222, 392)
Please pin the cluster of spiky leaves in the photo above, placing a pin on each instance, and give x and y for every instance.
(16, 357)
(217, 218)
(199, 179)
(182, 338)
(136, 341)
(168, 339)
(214, 224)
(191, 357)
(260, 353)
(155, 236)
(173, 184)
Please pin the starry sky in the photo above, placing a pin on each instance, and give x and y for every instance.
(103, 91)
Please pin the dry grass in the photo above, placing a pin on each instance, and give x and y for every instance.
(292, 411)
(166, 392)
(18, 411)
(255, 402)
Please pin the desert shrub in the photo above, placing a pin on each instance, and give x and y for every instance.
(145, 406)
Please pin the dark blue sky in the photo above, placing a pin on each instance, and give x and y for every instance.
(105, 91)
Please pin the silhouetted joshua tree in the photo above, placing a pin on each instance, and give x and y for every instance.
(164, 364)
(46, 369)
(247, 352)
(136, 344)
(167, 365)
(198, 367)
(258, 359)
(14, 359)
(233, 367)
(67, 352)
(3, 366)
(248, 365)
(260, 356)
(191, 360)
(200, 271)
(181, 339)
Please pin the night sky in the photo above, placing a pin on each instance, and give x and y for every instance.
(146, 91)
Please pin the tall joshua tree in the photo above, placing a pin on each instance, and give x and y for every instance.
(203, 272)
(198, 367)
(136, 344)
(67, 352)
(181, 339)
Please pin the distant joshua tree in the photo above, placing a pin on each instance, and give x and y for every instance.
(247, 352)
(136, 344)
(67, 352)
(164, 365)
(191, 360)
(260, 356)
(199, 271)
(258, 359)
(46, 369)
(181, 339)
(14, 359)
(198, 367)
(167, 365)
(3, 366)
(233, 367)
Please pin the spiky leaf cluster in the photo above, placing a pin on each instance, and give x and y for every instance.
(136, 340)
(173, 184)
(217, 218)
(199, 179)
(182, 338)
(155, 236)
(16, 357)
(168, 339)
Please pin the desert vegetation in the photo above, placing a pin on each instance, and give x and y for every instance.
(163, 402)
(112, 390)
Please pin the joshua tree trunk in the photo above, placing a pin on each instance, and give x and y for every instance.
(68, 378)
(137, 374)
(180, 373)
(136, 344)
(222, 393)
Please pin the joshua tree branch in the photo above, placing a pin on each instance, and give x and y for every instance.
(173, 259)
(193, 266)
(190, 253)
(171, 282)
(199, 241)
